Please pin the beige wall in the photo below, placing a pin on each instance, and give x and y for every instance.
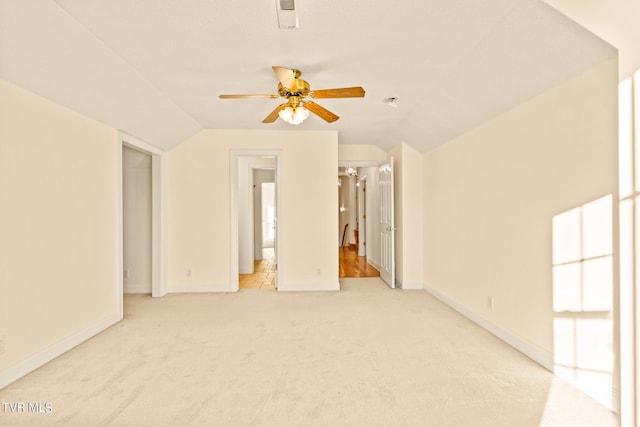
(360, 153)
(198, 214)
(491, 193)
(58, 178)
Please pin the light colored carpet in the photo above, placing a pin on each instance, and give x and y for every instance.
(365, 356)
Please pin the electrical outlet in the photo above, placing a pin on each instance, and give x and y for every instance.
(490, 303)
(188, 272)
(2, 345)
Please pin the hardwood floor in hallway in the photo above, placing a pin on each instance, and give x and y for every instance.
(264, 273)
(352, 265)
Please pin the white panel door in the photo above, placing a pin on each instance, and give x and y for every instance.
(387, 224)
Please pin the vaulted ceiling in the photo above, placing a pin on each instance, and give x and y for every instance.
(154, 68)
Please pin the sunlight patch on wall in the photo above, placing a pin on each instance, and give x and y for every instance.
(583, 298)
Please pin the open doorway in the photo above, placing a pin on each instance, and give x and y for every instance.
(263, 274)
(141, 174)
(136, 221)
(354, 230)
(254, 219)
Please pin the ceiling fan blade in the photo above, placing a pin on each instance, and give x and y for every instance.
(343, 92)
(274, 114)
(247, 96)
(321, 112)
(286, 76)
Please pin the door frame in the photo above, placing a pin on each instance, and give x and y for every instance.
(234, 157)
(158, 198)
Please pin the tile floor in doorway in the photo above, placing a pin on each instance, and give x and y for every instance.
(264, 273)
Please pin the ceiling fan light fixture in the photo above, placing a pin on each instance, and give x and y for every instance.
(286, 114)
(294, 116)
(300, 115)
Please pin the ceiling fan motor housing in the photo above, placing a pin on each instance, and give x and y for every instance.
(302, 89)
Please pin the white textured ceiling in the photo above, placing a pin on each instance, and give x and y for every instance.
(615, 21)
(154, 68)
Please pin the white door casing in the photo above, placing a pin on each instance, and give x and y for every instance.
(387, 223)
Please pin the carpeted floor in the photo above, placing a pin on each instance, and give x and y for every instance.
(365, 356)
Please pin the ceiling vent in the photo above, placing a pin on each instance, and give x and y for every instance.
(287, 14)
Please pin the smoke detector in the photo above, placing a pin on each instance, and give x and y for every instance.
(287, 14)
(392, 101)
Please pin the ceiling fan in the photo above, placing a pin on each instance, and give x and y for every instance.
(295, 90)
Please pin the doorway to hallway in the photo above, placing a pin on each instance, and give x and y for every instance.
(263, 276)
(136, 221)
(264, 273)
(254, 219)
(141, 195)
(354, 259)
(353, 265)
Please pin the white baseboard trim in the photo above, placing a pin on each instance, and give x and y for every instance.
(137, 289)
(201, 288)
(315, 286)
(535, 353)
(373, 264)
(410, 285)
(49, 353)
